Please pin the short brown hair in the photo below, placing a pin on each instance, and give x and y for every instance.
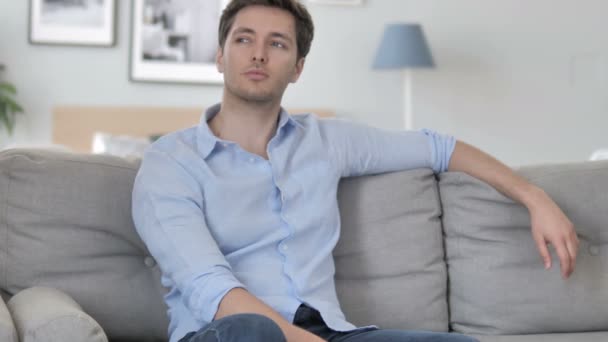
(304, 25)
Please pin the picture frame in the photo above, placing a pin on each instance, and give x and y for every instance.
(175, 42)
(73, 22)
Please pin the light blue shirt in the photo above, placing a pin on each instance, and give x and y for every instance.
(216, 217)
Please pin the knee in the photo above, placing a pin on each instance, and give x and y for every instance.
(254, 327)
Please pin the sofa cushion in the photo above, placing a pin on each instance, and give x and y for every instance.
(7, 328)
(66, 224)
(390, 267)
(498, 284)
(562, 337)
(44, 314)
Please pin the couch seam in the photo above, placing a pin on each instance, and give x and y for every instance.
(457, 248)
(437, 194)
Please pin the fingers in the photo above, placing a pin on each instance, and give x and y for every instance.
(572, 247)
(567, 251)
(564, 258)
(565, 248)
(542, 248)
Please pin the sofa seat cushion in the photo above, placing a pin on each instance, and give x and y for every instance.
(390, 267)
(563, 337)
(66, 224)
(44, 314)
(498, 284)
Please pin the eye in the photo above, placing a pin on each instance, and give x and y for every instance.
(243, 40)
(278, 44)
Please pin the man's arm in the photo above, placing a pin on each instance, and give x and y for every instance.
(238, 301)
(169, 219)
(355, 149)
(549, 223)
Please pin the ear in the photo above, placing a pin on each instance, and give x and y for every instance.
(297, 71)
(219, 62)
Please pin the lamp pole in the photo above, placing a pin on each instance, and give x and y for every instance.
(407, 99)
(403, 46)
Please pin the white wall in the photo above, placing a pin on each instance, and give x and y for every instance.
(526, 81)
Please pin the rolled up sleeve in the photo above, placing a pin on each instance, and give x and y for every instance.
(441, 148)
(167, 208)
(355, 149)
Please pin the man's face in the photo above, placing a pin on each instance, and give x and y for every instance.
(260, 56)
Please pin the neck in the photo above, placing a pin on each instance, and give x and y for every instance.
(247, 123)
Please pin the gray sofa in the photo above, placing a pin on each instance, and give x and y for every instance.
(445, 253)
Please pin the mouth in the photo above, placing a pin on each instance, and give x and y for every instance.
(256, 75)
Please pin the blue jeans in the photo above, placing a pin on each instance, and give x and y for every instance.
(258, 328)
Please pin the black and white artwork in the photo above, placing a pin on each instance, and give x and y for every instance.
(77, 22)
(175, 40)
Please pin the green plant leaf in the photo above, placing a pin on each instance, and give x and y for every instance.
(8, 107)
(5, 118)
(13, 106)
(7, 87)
(17, 109)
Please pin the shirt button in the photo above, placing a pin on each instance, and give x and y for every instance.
(252, 159)
(149, 261)
(284, 247)
(224, 144)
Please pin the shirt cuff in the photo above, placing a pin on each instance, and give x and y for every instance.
(214, 287)
(441, 148)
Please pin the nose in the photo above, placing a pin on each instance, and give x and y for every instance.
(259, 54)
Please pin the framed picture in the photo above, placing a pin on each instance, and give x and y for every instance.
(175, 41)
(73, 22)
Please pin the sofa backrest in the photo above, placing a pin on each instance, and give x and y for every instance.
(498, 284)
(390, 267)
(65, 222)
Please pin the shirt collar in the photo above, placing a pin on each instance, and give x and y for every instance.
(207, 140)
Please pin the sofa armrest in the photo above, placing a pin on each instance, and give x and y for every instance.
(7, 327)
(46, 314)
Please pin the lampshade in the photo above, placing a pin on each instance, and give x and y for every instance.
(403, 46)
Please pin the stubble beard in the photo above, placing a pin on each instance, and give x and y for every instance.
(254, 95)
(258, 98)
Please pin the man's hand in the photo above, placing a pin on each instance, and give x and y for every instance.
(550, 225)
(238, 300)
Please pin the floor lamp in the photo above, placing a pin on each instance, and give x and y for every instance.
(404, 47)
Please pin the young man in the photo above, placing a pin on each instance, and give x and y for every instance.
(241, 212)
